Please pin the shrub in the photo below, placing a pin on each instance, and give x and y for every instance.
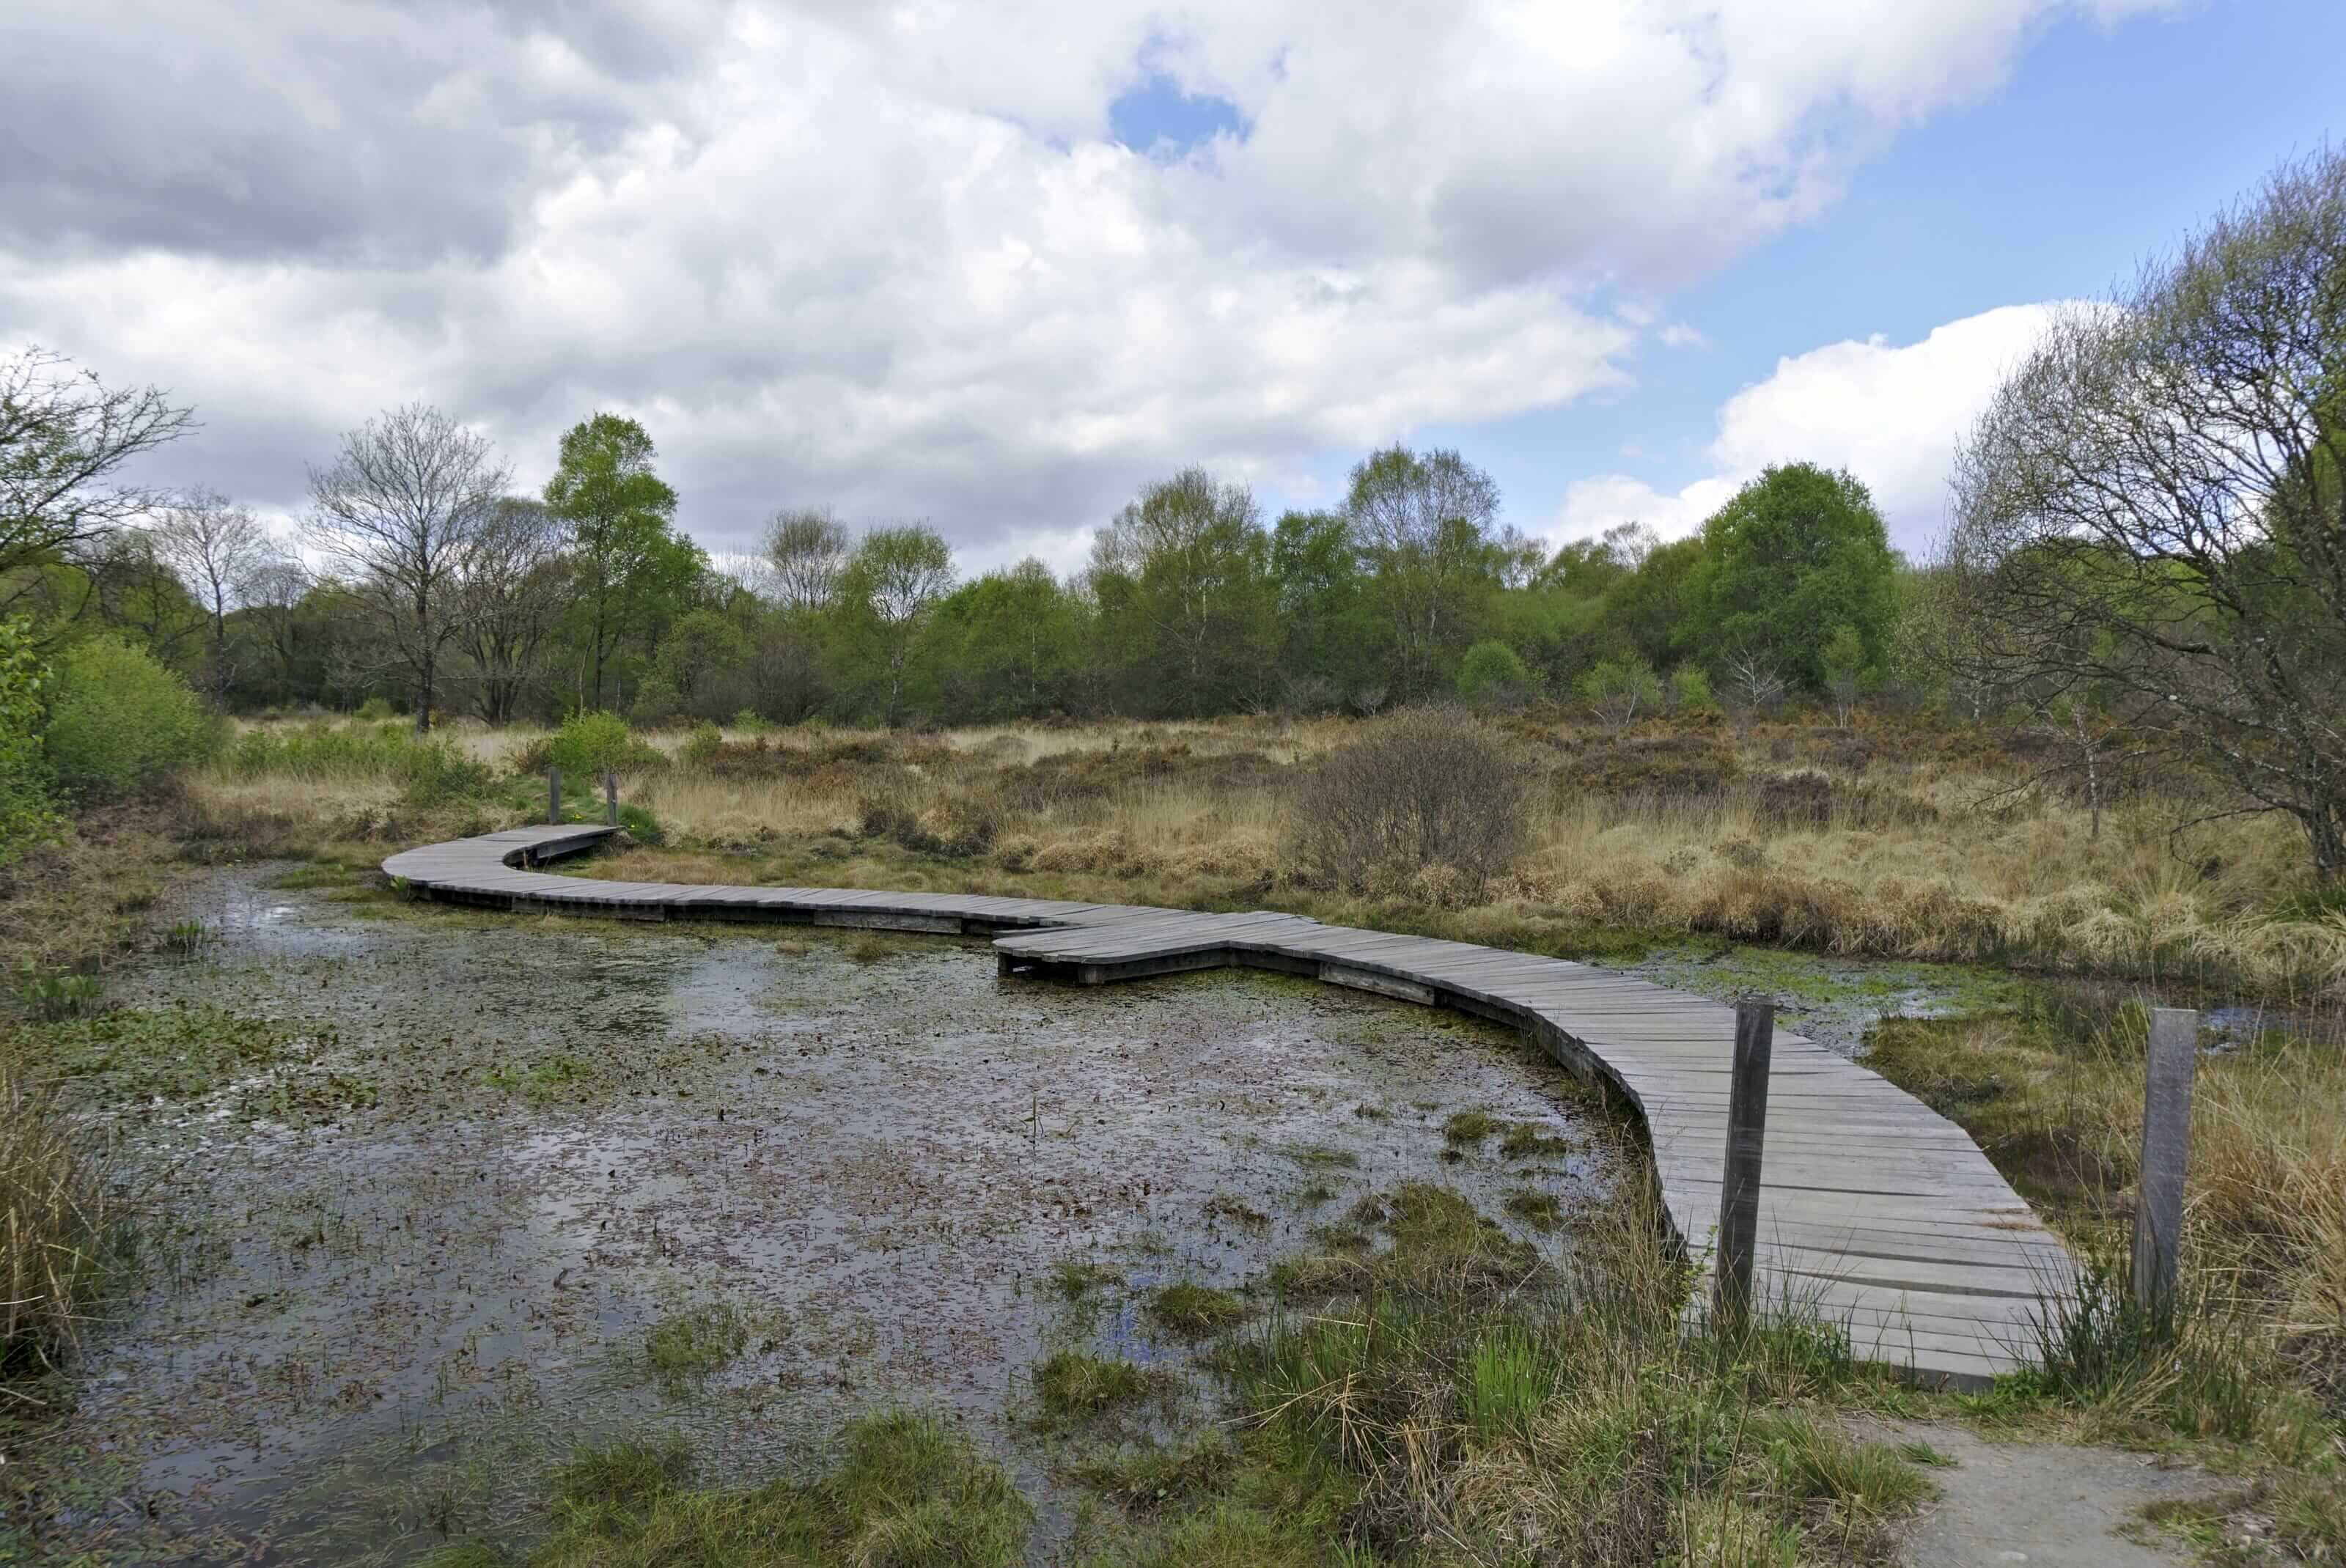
(1621, 689)
(27, 817)
(120, 724)
(1493, 674)
(700, 748)
(376, 710)
(1690, 691)
(589, 743)
(1420, 790)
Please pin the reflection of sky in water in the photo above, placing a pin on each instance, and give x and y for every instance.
(878, 1163)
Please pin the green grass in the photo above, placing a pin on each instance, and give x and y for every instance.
(907, 1491)
(1540, 1210)
(1187, 1310)
(1074, 1386)
(1073, 1279)
(1527, 1141)
(1320, 1157)
(1466, 1128)
(1455, 1396)
(687, 1346)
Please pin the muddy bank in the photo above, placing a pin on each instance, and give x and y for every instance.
(434, 1180)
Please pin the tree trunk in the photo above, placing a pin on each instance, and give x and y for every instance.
(2325, 827)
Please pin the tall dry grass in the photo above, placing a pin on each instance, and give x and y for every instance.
(1799, 837)
(2057, 1101)
(1889, 839)
(64, 1225)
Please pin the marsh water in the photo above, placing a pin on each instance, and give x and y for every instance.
(427, 1179)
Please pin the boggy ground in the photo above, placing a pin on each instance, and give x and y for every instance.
(444, 1196)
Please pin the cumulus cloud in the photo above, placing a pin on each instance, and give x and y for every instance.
(1889, 413)
(890, 257)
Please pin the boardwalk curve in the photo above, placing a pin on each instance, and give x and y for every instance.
(1876, 1213)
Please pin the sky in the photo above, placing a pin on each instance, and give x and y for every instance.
(997, 266)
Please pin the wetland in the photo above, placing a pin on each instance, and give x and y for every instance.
(438, 1198)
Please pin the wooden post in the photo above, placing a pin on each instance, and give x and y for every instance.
(2165, 1139)
(610, 797)
(553, 795)
(1746, 1124)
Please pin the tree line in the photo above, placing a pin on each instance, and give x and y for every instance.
(440, 591)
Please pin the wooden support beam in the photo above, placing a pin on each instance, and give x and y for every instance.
(2173, 1059)
(1747, 1127)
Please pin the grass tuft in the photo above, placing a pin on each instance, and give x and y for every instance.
(1187, 1310)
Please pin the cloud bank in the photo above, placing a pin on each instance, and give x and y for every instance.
(891, 258)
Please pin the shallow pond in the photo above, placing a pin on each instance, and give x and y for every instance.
(437, 1174)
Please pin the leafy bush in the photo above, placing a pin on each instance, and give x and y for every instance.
(375, 710)
(1422, 790)
(27, 814)
(700, 747)
(1621, 689)
(1492, 673)
(1690, 691)
(589, 743)
(120, 724)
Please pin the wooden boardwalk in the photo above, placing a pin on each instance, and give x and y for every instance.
(1875, 1213)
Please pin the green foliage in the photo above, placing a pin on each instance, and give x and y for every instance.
(375, 710)
(27, 815)
(887, 598)
(588, 743)
(120, 724)
(1690, 691)
(2101, 1346)
(632, 573)
(1621, 691)
(1492, 672)
(1185, 595)
(434, 767)
(1799, 553)
(700, 747)
(1006, 646)
(50, 996)
(641, 825)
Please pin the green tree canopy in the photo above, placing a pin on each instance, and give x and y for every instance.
(1799, 553)
(626, 557)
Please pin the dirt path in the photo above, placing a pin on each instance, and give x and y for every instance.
(2045, 1504)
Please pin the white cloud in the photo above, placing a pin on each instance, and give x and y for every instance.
(1890, 415)
(886, 257)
